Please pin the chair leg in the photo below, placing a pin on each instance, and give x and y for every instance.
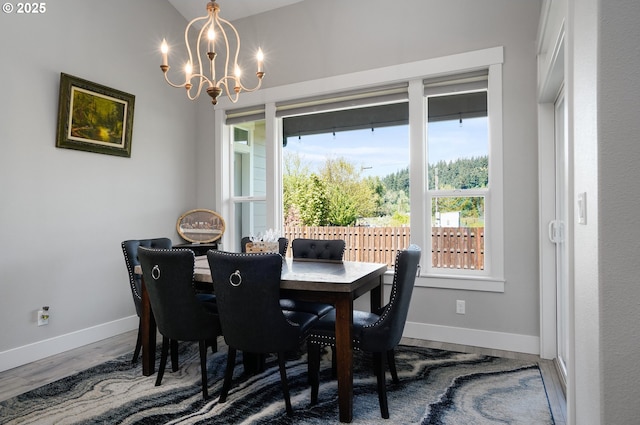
(283, 382)
(313, 370)
(228, 374)
(136, 351)
(163, 359)
(391, 360)
(213, 343)
(334, 362)
(203, 368)
(379, 364)
(174, 355)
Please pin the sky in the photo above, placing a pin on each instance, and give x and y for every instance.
(386, 150)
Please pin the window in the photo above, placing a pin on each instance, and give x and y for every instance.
(249, 179)
(343, 155)
(453, 124)
(354, 154)
(457, 144)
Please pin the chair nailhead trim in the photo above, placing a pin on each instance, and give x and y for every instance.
(331, 340)
(392, 297)
(131, 273)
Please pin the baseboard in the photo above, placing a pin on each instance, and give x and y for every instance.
(474, 337)
(465, 336)
(562, 378)
(39, 350)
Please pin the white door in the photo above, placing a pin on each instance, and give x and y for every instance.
(558, 230)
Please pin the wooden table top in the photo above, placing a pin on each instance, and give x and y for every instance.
(310, 275)
(330, 276)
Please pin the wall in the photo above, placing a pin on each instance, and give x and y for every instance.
(65, 212)
(617, 220)
(314, 40)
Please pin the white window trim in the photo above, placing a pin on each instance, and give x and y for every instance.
(414, 73)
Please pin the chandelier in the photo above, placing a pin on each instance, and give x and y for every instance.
(202, 71)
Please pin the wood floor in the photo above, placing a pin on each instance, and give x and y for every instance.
(33, 375)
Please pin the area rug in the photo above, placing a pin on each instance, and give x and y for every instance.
(436, 388)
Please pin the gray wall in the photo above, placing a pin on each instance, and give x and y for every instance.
(607, 304)
(64, 213)
(619, 207)
(312, 40)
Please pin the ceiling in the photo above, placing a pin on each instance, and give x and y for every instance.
(229, 9)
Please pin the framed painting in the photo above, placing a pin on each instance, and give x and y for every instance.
(200, 226)
(94, 118)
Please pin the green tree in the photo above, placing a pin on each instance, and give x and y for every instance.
(305, 194)
(337, 195)
(313, 202)
(349, 195)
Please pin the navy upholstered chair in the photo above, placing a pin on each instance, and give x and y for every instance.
(318, 249)
(378, 333)
(314, 249)
(130, 251)
(179, 314)
(248, 290)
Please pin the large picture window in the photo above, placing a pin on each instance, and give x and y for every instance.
(427, 151)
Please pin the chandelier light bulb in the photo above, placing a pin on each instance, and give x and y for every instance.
(188, 70)
(260, 57)
(164, 48)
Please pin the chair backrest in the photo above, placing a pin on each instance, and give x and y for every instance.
(247, 287)
(168, 277)
(318, 249)
(130, 251)
(282, 245)
(385, 334)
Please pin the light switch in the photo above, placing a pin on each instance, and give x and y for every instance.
(582, 208)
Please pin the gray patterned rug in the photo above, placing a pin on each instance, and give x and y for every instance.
(436, 387)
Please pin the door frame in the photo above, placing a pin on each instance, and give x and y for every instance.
(548, 92)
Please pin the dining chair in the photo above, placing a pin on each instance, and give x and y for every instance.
(130, 251)
(248, 290)
(319, 309)
(314, 249)
(318, 249)
(179, 314)
(378, 333)
(282, 245)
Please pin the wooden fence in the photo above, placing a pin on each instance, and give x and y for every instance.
(460, 248)
(457, 247)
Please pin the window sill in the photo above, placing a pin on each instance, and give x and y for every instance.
(484, 284)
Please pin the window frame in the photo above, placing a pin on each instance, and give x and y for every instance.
(446, 89)
(414, 73)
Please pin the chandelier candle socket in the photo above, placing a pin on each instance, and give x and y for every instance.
(201, 72)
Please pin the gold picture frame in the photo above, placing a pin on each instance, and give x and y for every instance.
(94, 118)
(200, 226)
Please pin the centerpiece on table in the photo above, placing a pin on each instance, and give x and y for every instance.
(264, 243)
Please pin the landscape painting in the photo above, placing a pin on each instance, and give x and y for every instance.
(94, 118)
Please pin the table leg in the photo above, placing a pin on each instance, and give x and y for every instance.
(377, 296)
(344, 353)
(148, 335)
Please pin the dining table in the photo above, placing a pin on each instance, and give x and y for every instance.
(335, 282)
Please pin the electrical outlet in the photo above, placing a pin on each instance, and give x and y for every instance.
(43, 316)
(460, 307)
